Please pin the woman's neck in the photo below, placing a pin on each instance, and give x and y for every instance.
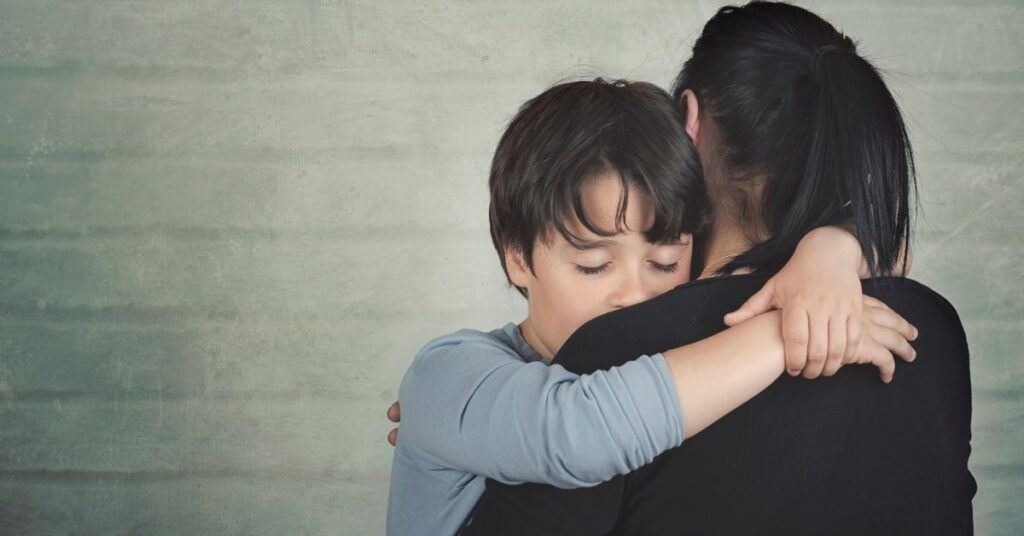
(736, 222)
(727, 239)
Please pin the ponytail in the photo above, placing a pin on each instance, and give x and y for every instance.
(820, 127)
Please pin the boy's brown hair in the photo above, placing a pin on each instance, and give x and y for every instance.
(575, 131)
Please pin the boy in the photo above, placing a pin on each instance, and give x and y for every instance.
(595, 196)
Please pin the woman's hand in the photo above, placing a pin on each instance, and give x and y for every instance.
(819, 293)
(884, 333)
(394, 415)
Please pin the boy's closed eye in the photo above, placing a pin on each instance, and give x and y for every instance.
(593, 270)
(667, 268)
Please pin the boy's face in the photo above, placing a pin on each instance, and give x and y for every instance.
(572, 285)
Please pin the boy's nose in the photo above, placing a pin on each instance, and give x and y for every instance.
(631, 291)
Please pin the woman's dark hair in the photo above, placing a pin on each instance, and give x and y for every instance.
(793, 105)
(575, 131)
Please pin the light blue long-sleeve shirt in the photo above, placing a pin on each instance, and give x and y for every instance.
(481, 405)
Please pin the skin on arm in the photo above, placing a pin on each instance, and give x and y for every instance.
(819, 288)
(716, 375)
(569, 284)
(822, 316)
(819, 293)
(713, 376)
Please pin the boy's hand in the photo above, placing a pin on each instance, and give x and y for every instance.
(394, 415)
(819, 293)
(884, 333)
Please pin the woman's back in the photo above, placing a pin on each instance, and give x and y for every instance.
(843, 455)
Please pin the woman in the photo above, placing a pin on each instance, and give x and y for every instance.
(794, 130)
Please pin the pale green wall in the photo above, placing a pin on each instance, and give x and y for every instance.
(225, 228)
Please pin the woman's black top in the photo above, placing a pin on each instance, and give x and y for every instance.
(840, 455)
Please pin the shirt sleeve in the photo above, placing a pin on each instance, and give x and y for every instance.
(472, 404)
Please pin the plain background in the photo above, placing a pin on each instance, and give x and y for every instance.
(226, 227)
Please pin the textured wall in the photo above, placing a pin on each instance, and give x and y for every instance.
(225, 228)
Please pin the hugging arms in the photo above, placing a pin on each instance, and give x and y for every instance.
(816, 140)
(846, 455)
(618, 233)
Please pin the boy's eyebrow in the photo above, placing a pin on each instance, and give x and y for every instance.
(586, 245)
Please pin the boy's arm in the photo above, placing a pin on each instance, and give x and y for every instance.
(819, 293)
(716, 375)
(473, 405)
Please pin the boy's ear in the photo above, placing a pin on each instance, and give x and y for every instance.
(518, 272)
(692, 109)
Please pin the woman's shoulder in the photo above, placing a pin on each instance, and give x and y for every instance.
(908, 296)
(687, 298)
(906, 286)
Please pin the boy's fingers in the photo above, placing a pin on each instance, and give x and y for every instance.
(760, 302)
(882, 314)
(794, 334)
(900, 346)
(886, 367)
(895, 342)
(874, 352)
(817, 345)
(836, 345)
(853, 335)
(393, 437)
(874, 302)
(832, 366)
(836, 337)
(813, 369)
(738, 316)
(395, 412)
(891, 319)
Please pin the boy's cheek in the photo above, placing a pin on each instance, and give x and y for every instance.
(574, 319)
(682, 276)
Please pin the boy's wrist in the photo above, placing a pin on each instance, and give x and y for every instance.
(841, 244)
(773, 333)
(765, 331)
